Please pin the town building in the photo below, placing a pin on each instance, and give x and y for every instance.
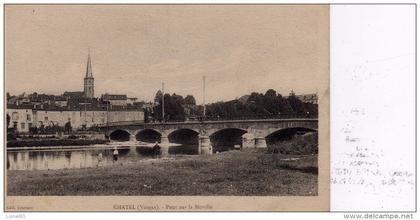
(20, 119)
(80, 108)
(308, 98)
(74, 95)
(131, 101)
(114, 99)
(23, 118)
(60, 101)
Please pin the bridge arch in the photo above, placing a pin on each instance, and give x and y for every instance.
(148, 135)
(227, 139)
(293, 140)
(188, 140)
(119, 135)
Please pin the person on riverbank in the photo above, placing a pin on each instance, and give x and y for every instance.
(115, 153)
(100, 158)
(156, 150)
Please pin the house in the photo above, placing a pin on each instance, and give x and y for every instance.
(115, 99)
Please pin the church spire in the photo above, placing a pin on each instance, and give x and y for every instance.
(89, 81)
(89, 68)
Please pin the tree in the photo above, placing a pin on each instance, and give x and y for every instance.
(8, 120)
(271, 102)
(270, 93)
(41, 129)
(256, 105)
(284, 106)
(158, 97)
(189, 100)
(174, 107)
(33, 130)
(157, 109)
(296, 104)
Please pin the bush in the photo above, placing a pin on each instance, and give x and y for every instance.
(72, 137)
(11, 134)
(299, 144)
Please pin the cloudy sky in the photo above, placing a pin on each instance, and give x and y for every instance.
(134, 49)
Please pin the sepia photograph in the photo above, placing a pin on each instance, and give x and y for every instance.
(166, 107)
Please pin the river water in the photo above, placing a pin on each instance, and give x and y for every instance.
(80, 156)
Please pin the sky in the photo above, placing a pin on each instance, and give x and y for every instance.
(134, 48)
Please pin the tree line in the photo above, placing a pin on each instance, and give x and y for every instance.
(258, 105)
(255, 105)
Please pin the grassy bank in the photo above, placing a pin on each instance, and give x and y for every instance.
(53, 142)
(229, 173)
(296, 145)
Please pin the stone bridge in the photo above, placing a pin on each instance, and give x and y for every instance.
(252, 133)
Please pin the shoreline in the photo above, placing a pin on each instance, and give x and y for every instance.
(93, 145)
(26, 144)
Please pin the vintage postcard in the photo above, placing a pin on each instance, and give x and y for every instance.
(166, 107)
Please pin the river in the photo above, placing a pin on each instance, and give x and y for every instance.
(54, 158)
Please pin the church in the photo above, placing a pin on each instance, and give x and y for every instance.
(88, 93)
(88, 85)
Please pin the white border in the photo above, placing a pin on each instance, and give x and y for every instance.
(372, 107)
(203, 215)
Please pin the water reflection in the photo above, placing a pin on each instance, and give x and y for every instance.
(87, 156)
(186, 148)
(61, 159)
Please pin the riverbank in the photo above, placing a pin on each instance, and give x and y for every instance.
(15, 144)
(234, 173)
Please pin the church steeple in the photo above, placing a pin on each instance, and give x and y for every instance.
(88, 88)
(89, 68)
